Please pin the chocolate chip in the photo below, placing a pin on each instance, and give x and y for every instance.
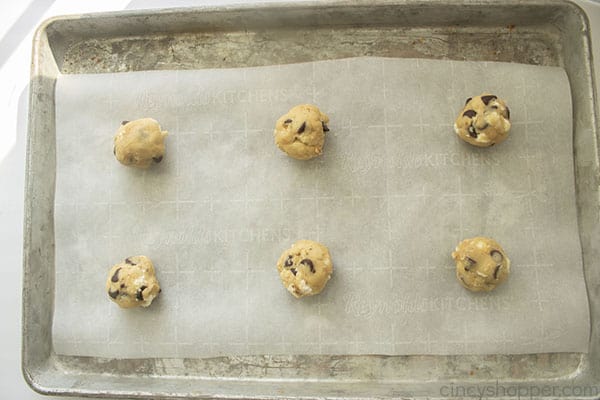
(468, 100)
(157, 159)
(287, 121)
(495, 107)
(115, 277)
(115, 150)
(128, 261)
(159, 290)
(309, 264)
(122, 286)
(294, 271)
(497, 256)
(124, 122)
(470, 113)
(139, 295)
(488, 98)
(302, 127)
(325, 128)
(469, 263)
(113, 294)
(289, 262)
(472, 132)
(496, 271)
(507, 113)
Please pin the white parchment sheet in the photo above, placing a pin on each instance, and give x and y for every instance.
(391, 196)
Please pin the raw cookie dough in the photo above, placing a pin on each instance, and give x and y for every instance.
(484, 121)
(140, 143)
(301, 132)
(133, 282)
(305, 268)
(481, 264)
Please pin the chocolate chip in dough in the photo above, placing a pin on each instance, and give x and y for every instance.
(469, 263)
(472, 132)
(289, 262)
(302, 127)
(139, 295)
(496, 271)
(497, 256)
(486, 99)
(470, 113)
(115, 277)
(309, 264)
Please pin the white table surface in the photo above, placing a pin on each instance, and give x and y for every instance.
(16, 32)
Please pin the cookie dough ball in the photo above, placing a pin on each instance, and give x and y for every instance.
(140, 143)
(133, 282)
(301, 132)
(484, 121)
(305, 268)
(481, 264)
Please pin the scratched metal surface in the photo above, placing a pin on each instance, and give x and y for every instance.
(532, 31)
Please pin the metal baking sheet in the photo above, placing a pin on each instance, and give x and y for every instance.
(534, 32)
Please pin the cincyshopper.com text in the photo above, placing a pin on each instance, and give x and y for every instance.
(518, 391)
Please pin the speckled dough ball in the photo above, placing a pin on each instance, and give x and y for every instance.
(140, 143)
(481, 264)
(301, 132)
(305, 268)
(484, 121)
(133, 282)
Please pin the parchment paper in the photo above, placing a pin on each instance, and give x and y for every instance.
(391, 196)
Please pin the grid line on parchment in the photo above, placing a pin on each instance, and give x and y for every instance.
(516, 123)
(532, 228)
(318, 227)
(313, 88)
(351, 267)
(110, 201)
(352, 197)
(247, 325)
(421, 126)
(452, 78)
(178, 217)
(247, 275)
(460, 194)
(387, 178)
(177, 161)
